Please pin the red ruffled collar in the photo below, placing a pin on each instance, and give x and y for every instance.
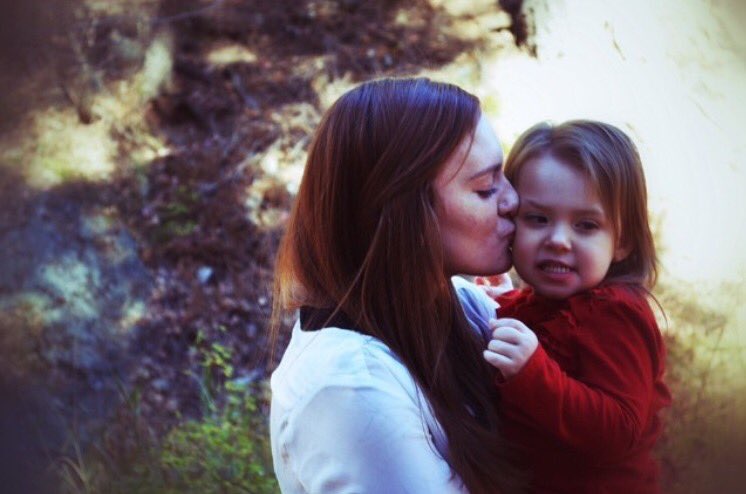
(534, 309)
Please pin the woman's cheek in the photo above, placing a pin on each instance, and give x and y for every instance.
(484, 218)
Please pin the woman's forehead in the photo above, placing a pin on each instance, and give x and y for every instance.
(478, 154)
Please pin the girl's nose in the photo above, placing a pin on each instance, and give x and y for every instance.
(559, 238)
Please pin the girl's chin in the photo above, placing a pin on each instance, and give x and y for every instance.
(553, 292)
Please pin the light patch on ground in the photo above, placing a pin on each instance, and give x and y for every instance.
(75, 283)
(58, 148)
(157, 68)
(281, 164)
(54, 146)
(479, 21)
(222, 55)
(132, 313)
(328, 91)
(121, 8)
(30, 311)
(463, 7)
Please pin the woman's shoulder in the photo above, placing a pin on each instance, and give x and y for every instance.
(339, 358)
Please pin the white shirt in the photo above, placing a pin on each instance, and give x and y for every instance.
(347, 417)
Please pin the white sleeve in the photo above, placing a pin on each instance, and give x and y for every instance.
(478, 306)
(367, 439)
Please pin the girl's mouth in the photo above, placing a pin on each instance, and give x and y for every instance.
(554, 267)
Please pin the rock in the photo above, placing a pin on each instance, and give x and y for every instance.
(72, 290)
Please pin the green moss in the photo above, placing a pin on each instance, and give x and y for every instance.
(178, 218)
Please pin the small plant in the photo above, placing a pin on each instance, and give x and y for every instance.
(225, 452)
(176, 217)
(228, 450)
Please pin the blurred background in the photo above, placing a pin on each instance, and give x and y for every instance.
(150, 151)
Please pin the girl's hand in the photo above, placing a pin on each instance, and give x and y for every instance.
(511, 346)
(496, 285)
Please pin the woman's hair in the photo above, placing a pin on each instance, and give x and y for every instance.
(611, 161)
(363, 240)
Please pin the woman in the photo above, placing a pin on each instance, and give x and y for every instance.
(383, 387)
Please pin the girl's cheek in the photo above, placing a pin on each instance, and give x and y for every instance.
(522, 237)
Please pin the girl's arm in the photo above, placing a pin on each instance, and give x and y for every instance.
(605, 408)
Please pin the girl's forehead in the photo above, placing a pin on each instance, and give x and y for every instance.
(550, 182)
(547, 170)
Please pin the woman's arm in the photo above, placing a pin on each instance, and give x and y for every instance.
(367, 432)
(365, 440)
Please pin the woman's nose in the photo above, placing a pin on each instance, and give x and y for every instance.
(507, 202)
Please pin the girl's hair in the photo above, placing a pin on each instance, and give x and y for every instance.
(363, 239)
(609, 157)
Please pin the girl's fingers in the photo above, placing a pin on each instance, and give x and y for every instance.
(506, 323)
(508, 334)
(503, 348)
(497, 360)
(512, 323)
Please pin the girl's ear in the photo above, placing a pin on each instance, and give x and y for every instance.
(621, 252)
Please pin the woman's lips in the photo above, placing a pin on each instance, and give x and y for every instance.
(507, 231)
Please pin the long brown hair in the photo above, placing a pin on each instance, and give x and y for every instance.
(609, 157)
(363, 240)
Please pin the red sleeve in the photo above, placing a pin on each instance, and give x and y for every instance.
(508, 300)
(604, 409)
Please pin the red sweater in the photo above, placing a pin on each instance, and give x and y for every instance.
(583, 412)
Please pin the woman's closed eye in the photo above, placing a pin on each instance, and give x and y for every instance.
(487, 193)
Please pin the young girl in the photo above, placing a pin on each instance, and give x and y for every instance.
(579, 354)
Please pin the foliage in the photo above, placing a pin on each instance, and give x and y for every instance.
(705, 437)
(226, 452)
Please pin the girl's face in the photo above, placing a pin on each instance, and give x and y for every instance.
(475, 204)
(565, 241)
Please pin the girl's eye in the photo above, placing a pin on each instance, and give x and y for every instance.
(536, 219)
(587, 226)
(487, 193)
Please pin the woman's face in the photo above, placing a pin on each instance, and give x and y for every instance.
(475, 205)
